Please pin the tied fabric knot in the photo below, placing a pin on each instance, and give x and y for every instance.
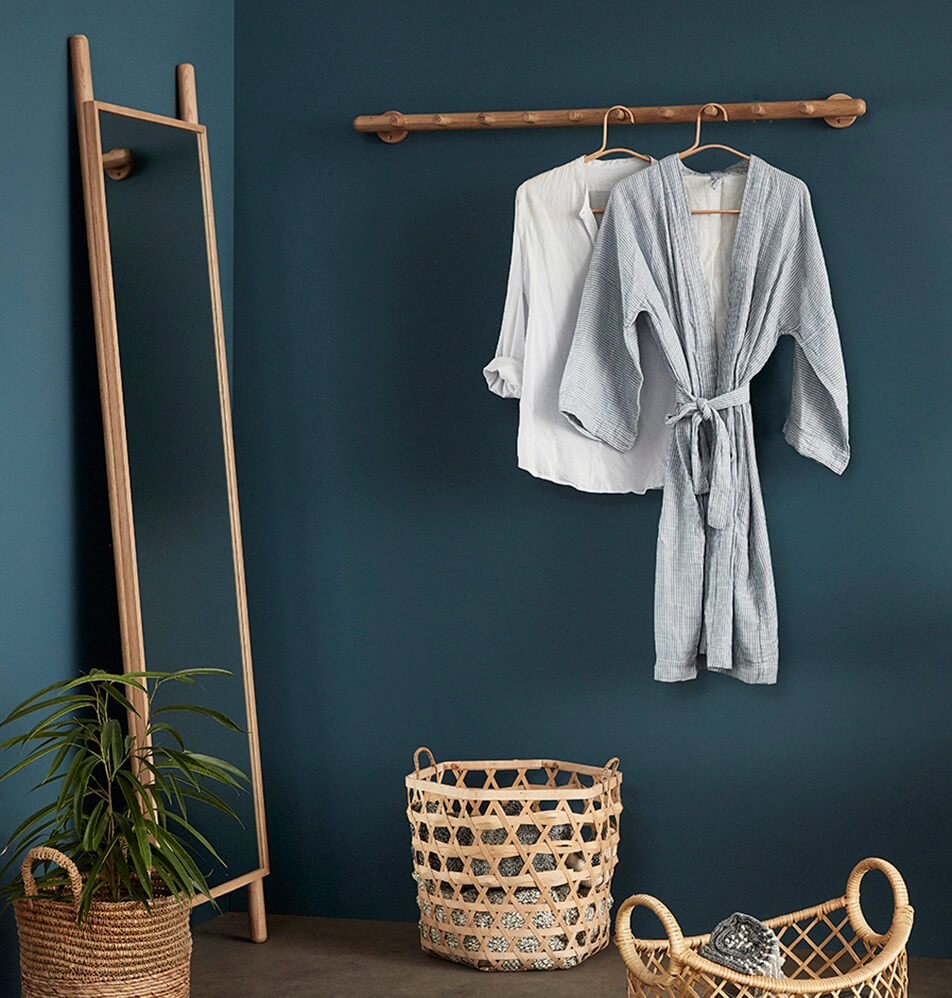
(718, 482)
(703, 407)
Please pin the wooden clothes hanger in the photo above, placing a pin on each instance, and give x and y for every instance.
(697, 147)
(603, 151)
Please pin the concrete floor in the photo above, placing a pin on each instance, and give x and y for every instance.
(341, 958)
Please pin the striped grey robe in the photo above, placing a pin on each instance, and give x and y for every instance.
(715, 604)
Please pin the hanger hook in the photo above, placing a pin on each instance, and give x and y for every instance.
(615, 107)
(719, 109)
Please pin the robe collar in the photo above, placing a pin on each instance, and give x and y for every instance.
(718, 373)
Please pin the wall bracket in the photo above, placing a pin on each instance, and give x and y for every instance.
(118, 163)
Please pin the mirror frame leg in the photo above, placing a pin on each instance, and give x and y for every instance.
(257, 917)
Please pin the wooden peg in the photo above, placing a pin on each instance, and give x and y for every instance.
(118, 163)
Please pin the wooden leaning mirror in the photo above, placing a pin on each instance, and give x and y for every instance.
(164, 385)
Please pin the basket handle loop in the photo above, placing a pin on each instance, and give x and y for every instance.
(416, 759)
(854, 909)
(611, 767)
(626, 944)
(38, 855)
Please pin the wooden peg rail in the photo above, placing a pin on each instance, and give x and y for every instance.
(838, 110)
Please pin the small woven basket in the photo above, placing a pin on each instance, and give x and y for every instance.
(122, 951)
(828, 951)
(513, 860)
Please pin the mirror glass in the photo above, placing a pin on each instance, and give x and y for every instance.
(177, 457)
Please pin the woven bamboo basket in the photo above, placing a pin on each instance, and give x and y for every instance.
(513, 860)
(122, 951)
(829, 951)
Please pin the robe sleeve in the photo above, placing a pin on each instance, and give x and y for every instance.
(601, 383)
(818, 425)
(504, 372)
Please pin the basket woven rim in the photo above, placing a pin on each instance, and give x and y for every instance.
(425, 779)
(163, 900)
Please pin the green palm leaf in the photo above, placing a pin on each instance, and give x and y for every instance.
(115, 799)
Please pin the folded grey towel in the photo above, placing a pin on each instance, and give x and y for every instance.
(746, 945)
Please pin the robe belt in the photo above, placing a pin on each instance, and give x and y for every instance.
(719, 483)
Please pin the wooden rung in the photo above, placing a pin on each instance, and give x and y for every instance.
(838, 110)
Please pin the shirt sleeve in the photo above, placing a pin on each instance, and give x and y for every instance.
(601, 383)
(504, 372)
(818, 424)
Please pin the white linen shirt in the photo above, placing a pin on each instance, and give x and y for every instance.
(553, 236)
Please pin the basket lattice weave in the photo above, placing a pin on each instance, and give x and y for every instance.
(122, 951)
(513, 860)
(829, 951)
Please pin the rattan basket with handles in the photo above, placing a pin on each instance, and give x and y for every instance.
(513, 859)
(122, 950)
(828, 950)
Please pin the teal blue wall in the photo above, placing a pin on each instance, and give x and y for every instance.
(408, 584)
(57, 592)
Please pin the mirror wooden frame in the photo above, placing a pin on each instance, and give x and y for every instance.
(94, 164)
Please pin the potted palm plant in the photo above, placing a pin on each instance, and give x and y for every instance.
(108, 913)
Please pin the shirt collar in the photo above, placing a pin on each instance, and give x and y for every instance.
(584, 207)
